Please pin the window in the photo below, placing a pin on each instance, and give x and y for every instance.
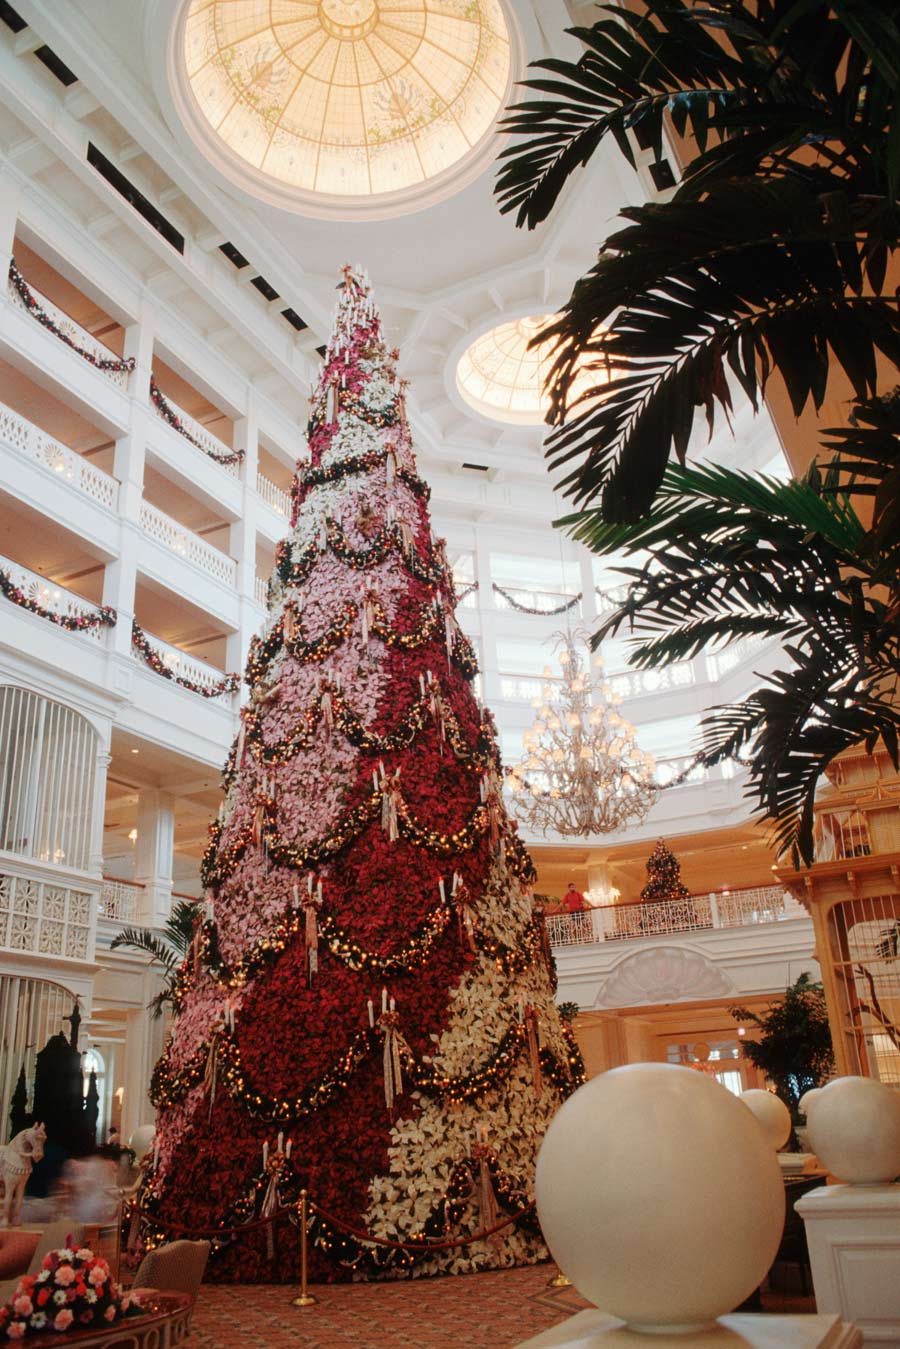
(47, 764)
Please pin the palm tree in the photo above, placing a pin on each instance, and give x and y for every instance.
(168, 948)
(772, 253)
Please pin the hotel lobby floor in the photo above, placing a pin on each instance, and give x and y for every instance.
(477, 1311)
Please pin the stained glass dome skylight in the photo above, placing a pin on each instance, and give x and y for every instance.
(500, 376)
(348, 98)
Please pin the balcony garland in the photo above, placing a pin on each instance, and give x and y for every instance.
(102, 617)
(524, 608)
(171, 418)
(112, 364)
(462, 592)
(229, 683)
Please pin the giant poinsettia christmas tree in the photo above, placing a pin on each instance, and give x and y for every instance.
(367, 1011)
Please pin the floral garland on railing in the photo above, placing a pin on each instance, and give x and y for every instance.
(113, 364)
(463, 592)
(102, 617)
(229, 683)
(524, 608)
(171, 417)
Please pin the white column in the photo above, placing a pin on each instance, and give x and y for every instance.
(10, 197)
(138, 1059)
(489, 667)
(154, 854)
(242, 540)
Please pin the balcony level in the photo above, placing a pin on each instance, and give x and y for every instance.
(708, 947)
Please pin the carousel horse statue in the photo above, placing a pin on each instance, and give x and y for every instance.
(16, 1161)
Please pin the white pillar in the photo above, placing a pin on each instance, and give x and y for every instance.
(490, 674)
(10, 197)
(141, 1037)
(154, 854)
(242, 541)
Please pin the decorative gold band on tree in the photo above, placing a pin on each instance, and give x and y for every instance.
(367, 1010)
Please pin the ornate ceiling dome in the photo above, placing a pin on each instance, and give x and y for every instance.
(502, 377)
(348, 98)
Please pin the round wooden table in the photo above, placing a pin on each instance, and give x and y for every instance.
(165, 1321)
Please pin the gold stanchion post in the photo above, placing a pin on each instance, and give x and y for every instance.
(120, 1217)
(306, 1298)
(559, 1280)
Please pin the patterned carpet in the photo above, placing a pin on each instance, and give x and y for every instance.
(477, 1311)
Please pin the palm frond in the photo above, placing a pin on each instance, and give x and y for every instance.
(142, 939)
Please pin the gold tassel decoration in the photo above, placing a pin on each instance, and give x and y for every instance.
(532, 1022)
(390, 800)
(327, 705)
(210, 1076)
(311, 938)
(488, 1208)
(391, 466)
(288, 624)
(395, 1047)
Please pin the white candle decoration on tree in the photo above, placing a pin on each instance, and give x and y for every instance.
(265, 1154)
(384, 1000)
(371, 1006)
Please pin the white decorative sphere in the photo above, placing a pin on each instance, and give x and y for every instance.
(141, 1141)
(854, 1129)
(772, 1114)
(659, 1196)
(807, 1099)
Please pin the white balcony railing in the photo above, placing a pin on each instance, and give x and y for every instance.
(119, 900)
(80, 336)
(51, 454)
(54, 598)
(620, 922)
(719, 663)
(45, 918)
(638, 683)
(163, 529)
(205, 440)
(179, 663)
(549, 602)
(273, 496)
(260, 591)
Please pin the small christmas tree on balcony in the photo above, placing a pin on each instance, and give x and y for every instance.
(664, 876)
(367, 1011)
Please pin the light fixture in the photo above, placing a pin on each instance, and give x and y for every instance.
(132, 834)
(583, 772)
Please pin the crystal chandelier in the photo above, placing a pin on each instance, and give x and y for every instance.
(582, 772)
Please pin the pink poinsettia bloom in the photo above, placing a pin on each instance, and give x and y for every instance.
(110, 1313)
(62, 1320)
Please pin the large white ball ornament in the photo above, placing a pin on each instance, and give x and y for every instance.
(854, 1129)
(807, 1099)
(659, 1196)
(772, 1114)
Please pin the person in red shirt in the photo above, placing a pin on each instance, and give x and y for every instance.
(573, 901)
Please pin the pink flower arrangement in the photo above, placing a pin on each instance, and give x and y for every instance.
(73, 1288)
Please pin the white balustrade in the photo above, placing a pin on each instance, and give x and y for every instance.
(205, 439)
(45, 918)
(620, 922)
(182, 665)
(163, 529)
(719, 663)
(55, 598)
(638, 683)
(273, 496)
(525, 688)
(74, 331)
(261, 591)
(669, 769)
(119, 900)
(51, 454)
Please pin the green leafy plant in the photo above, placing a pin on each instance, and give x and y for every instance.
(772, 253)
(166, 948)
(568, 1011)
(794, 1046)
(729, 556)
